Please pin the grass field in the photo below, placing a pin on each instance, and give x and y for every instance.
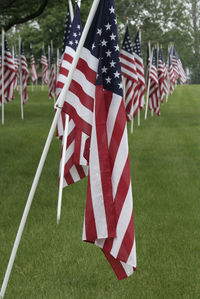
(52, 261)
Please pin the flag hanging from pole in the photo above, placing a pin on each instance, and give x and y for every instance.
(140, 69)
(34, 74)
(178, 67)
(95, 103)
(25, 74)
(52, 76)
(16, 64)
(129, 73)
(162, 76)
(45, 77)
(154, 102)
(72, 41)
(9, 74)
(68, 25)
(172, 78)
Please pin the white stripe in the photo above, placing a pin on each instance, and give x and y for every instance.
(112, 114)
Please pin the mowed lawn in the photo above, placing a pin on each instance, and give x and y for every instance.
(52, 262)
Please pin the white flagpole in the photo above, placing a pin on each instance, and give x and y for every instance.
(2, 75)
(20, 72)
(71, 10)
(148, 88)
(61, 99)
(132, 125)
(62, 168)
(58, 54)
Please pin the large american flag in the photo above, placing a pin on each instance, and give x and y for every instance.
(34, 74)
(154, 103)
(24, 74)
(140, 69)
(162, 76)
(178, 67)
(72, 41)
(129, 73)
(52, 76)
(95, 103)
(45, 77)
(9, 74)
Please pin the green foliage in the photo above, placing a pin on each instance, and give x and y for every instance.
(52, 262)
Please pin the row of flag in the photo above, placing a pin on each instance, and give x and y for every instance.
(107, 90)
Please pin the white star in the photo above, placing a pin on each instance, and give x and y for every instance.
(108, 80)
(71, 42)
(74, 34)
(116, 74)
(99, 31)
(78, 26)
(112, 36)
(112, 10)
(104, 69)
(108, 53)
(112, 63)
(104, 43)
(93, 46)
(120, 85)
(115, 20)
(108, 26)
(117, 48)
(76, 42)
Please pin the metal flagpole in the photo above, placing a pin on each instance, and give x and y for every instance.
(62, 168)
(148, 87)
(61, 99)
(20, 72)
(2, 75)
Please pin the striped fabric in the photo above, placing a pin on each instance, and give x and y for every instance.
(140, 69)
(130, 78)
(34, 74)
(178, 67)
(9, 75)
(52, 77)
(171, 74)
(45, 77)
(25, 75)
(96, 106)
(154, 103)
(71, 42)
(16, 64)
(162, 76)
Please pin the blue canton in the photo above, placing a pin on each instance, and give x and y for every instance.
(68, 26)
(102, 42)
(154, 60)
(127, 45)
(76, 30)
(137, 47)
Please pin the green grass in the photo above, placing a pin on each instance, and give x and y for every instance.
(52, 262)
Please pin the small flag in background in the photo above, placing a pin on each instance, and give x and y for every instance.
(162, 78)
(25, 74)
(130, 77)
(16, 64)
(34, 74)
(9, 74)
(172, 78)
(67, 58)
(154, 103)
(95, 103)
(140, 69)
(178, 67)
(52, 76)
(45, 77)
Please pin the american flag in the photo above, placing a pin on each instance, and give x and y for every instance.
(16, 64)
(162, 76)
(34, 74)
(68, 25)
(24, 74)
(148, 65)
(95, 103)
(154, 103)
(172, 78)
(140, 69)
(178, 67)
(52, 76)
(129, 73)
(70, 50)
(9, 74)
(45, 77)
